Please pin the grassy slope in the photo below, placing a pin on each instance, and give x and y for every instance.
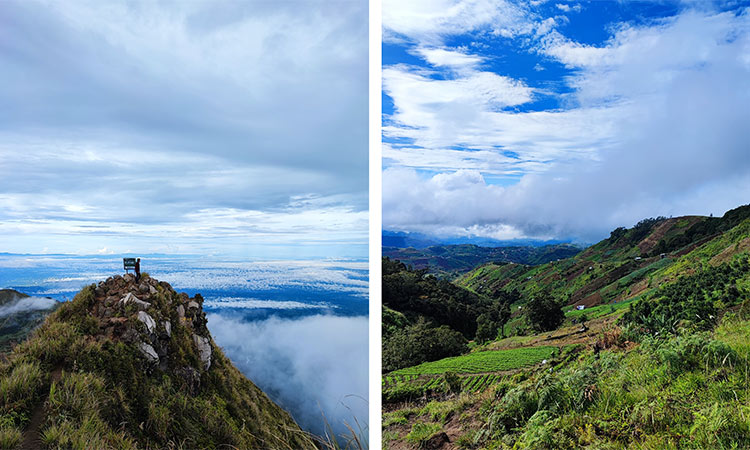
(690, 391)
(100, 394)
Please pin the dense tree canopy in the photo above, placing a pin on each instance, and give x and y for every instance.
(419, 343)
(543, 311)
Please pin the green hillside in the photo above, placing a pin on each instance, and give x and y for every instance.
(454, 260)
(132, 365)
(657, 359)
(16, 323)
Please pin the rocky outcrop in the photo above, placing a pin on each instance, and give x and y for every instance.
(151, 315)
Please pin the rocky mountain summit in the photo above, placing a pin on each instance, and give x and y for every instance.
(133, 365)
(155, 306)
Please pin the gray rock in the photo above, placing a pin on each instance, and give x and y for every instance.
(148, 321)
(143, 287)
(167, 327)
(148, 352)
(204, 350)
(127, 277)
(130, 298)
(181, 312)
(152, 290)
(193, 304)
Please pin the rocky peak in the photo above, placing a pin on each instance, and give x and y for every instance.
(157, 320)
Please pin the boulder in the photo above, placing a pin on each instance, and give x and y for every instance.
(204, 349)
(148, 321)
(152, 290)
(181, 312)
(167, 327)
(130, 298)
(193, 304)
(148, 352)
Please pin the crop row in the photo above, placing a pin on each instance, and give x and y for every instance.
(482, 362)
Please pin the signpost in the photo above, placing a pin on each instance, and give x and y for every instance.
(129, 264)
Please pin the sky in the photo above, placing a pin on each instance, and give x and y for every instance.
(184, 127)
(554, 119)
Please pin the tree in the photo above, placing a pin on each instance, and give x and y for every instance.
(543, 312)
(419, 343)
(494, 319)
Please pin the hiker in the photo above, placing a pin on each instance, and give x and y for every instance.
(138, 270)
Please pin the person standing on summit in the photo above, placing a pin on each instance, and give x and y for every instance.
(138, 270)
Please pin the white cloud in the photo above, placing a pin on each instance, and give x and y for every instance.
(441, 57)
(26, 304)
(653, 126)
(429, 21)
(142, 116)
(311, 366)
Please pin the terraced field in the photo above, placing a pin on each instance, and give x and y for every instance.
(483, 362)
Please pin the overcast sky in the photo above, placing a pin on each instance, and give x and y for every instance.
(555, 119)
(193, 127)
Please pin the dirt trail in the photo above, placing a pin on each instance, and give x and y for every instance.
(31, 437)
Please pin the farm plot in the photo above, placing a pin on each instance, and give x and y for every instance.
(480, 362)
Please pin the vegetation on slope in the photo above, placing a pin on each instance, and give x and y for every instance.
(425, 318)
(126, 365)
(17, 322)
(453, 260)
(671, 373)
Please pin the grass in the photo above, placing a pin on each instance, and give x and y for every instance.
(480, 362)
(10, 437)
(109, 397)
(421, 432)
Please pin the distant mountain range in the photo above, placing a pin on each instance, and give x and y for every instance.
(403, 239)
(454, 260)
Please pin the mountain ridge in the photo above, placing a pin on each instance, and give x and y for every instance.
(133, 365)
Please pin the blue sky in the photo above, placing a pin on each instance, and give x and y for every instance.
(554, 119)
(184, 127)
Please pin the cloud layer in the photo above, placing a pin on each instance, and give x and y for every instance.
(313, 367)
(649, 121)
(26, 304)
(177, 123)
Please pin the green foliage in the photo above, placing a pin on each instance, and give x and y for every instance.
(10, 437)
(20, 390)
(417, 295)
(109, 397)
(543, 312)
(486, 361)
(420, 342)
(449, 260)
(702, 229)
(691, 300)
(421, 432)
(492, 322)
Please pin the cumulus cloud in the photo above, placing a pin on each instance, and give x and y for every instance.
(26, 304)
(430, 21)
(313, 366)
(153, 119)
(654, 124)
